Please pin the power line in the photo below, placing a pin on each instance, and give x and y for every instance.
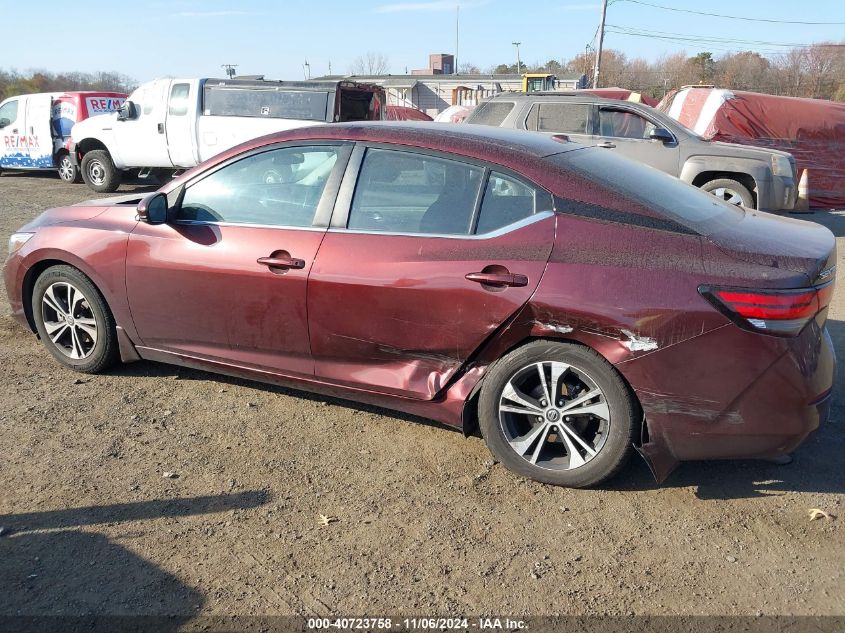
(731, 17)
(703, 38)
(712, 47)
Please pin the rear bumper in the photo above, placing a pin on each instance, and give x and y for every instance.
(761, 398)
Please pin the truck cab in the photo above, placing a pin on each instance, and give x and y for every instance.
(169, 124)
(36, 128)
(538, 82)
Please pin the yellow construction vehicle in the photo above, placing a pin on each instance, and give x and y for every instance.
(538, 82)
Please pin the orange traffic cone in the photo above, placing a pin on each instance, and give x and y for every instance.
(802, 203)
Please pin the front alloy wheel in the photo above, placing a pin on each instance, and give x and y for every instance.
(559, 413)
(69, 320)
(73, 320)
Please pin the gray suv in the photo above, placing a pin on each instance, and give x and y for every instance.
(739, 174)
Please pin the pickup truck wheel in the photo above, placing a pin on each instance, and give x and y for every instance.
(67, 170)
(731, 191)
(99, 172)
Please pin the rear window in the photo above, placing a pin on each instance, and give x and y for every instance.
(666, 196)
(491, 113)
(304, 105)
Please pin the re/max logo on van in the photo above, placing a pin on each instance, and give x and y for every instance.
(19, 142)
(99, 105)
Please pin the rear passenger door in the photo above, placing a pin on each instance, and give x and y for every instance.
(627, 133)
(426, 256)
(576, 120)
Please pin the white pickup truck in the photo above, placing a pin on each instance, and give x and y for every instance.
(171, 124)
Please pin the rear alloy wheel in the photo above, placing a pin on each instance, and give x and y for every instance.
(73, 320)
(731, 191)
(557, 413)
(68, 172)
(99, 172)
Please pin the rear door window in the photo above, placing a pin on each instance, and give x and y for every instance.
(508, 200)
(404, 192)
(623, 124)
(491, 113)
(560, 118)
(179, 100)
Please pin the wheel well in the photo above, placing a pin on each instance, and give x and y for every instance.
(469, 415)
(29, 284)
(86, 145)
(744, 179)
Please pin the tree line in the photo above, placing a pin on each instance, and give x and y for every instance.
(813, 71)
(14, 83)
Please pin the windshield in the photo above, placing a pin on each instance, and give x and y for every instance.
(655, 191)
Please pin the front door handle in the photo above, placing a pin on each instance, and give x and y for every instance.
(499, 280)
(281, 262)
(606, 145)
(161, 128)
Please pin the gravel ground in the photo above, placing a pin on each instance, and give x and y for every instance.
(425, 523)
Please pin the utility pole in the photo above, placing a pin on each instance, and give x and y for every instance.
(230, 70)
(601, 41)
(306, 69)
(330, 67)
(518, 65)
(457, 36)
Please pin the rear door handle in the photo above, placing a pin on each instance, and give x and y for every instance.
(279, 262)
(500, 280)
(606, 145)
(161, 128)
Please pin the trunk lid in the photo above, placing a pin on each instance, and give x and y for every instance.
(782, 243)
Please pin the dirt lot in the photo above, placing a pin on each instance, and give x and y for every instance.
(426, 523)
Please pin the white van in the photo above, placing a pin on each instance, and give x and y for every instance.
(173, 124)
(35, 128)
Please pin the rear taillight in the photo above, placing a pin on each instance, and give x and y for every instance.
(779, 312)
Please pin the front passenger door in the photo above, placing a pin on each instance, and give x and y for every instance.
(225, 279)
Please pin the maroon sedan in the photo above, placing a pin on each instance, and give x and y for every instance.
(571, 304)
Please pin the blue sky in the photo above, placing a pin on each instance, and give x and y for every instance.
(188, 38)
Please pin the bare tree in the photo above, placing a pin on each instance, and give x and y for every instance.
(468, 69)
(370, 64)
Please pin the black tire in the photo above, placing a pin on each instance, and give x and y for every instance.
(730, 191)
(615, 443)
(99, 172)
(103, 351)
(68, 172)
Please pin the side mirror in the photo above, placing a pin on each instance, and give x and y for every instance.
(127, 111)
(153, 209)
(4, 123)
(661, 134)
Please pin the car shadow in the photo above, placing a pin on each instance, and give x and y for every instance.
(816, 467)
(52, 570)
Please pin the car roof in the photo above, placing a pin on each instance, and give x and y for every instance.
(458, 138)
(517, 150)
(559, 96)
